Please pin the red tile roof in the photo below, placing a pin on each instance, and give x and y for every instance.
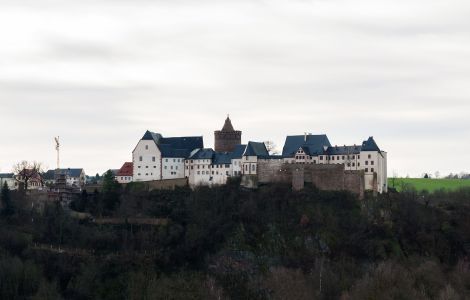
(127, 169)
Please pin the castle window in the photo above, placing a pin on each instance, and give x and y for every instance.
(367, 162)
(358, 157)
(176, 167)
(321, 157)
(140, 158)
(342, 157)
(192, 167)
(146, 147)
(358, 164)
(372, 162)
(354, 165)
(372, 169)
(198, 172)
(153, 158)
(332, 158)
(367, 170)
(370, 156)
(166, 159)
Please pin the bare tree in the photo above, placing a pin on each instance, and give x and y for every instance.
(26, 171)
(271, 147)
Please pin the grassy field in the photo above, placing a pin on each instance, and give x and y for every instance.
(429, 184)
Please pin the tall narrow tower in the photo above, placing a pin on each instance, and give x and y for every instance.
(228, 138)
(57, 148)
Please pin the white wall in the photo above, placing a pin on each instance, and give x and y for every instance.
(249, 165)
(199, 172)
(375, 162)
(173, 168)
(123, 179)
(236, 167)
(220, 173)
(147, 161)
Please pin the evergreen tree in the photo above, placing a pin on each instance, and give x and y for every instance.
(7, 208)
(111, 192)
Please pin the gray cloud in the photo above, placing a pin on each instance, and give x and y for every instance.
(99, 73)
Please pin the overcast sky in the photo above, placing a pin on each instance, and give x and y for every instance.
(99, 73)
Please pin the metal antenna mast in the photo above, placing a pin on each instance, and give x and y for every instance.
(57, 147)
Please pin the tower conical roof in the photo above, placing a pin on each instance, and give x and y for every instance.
(228, 125)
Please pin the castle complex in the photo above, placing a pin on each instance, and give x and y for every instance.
(305, 159)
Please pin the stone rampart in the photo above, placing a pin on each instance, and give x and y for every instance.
(325, 177)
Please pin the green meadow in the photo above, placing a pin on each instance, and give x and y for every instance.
(429, 185)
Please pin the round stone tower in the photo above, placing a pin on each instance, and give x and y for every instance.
(228, 138)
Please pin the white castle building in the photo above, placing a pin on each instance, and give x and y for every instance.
(159, 158)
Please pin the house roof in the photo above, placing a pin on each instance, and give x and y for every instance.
(7, 175)
(256, 149)
(311, 144)
(49, 175)
(127, 169)
(203, 154)
(228, 127)
(238, 151)
(343, 150)
(219, 158)
(178, 147)
(222, 158)
(370, 145)
(72, 172)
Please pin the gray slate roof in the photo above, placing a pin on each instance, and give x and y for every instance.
(175, 147)
(203, 154)
(256, 149)
(312, 144)
(238, 152)
(72, 172)
(370, 145)
(343, 150)
(222, 158)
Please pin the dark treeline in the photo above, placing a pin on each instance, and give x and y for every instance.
(231, 243)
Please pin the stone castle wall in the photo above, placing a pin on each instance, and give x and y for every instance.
(324, 177)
